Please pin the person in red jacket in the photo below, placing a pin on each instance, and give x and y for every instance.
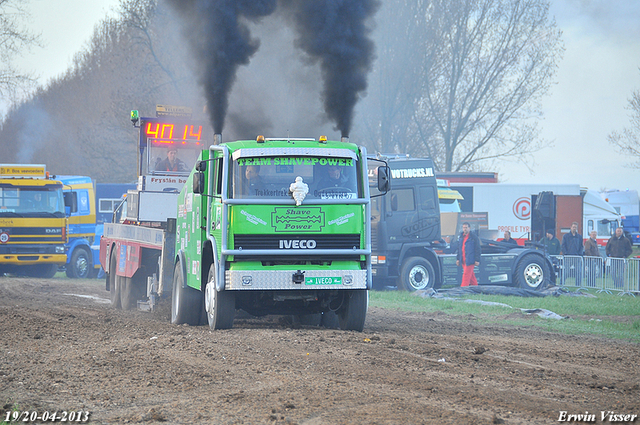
(469, 252)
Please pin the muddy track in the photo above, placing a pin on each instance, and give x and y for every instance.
(64, 348)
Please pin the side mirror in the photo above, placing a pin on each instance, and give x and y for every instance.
(198, 182)
(201, 166)
(384, 182)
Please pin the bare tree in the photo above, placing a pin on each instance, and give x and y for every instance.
(13, 41)
(385, 114)
(486, 65)
(628, 142)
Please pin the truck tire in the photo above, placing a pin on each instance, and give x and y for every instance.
(44, 271)
(220, 305)
(330, 320)
(185, 301)
(80, 266)
(532, 272)
(308, 319)
(132, 290)
(416, 273)
(354, 310)
(114, 282)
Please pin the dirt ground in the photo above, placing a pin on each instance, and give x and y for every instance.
(64, 348)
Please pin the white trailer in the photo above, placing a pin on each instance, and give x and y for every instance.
(523, 210)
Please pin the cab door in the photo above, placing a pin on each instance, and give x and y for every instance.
(428, 227)
(401, 215)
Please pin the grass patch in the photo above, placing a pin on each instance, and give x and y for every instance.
(608, 315)
(13, 408)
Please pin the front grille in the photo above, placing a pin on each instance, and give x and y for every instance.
(33, 234)
(284, 242)
(27, 249)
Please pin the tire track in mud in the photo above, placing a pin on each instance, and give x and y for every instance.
(65, 351)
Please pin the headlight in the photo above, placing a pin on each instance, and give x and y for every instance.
(60, 250)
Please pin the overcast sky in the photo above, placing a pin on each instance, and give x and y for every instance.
(597, 76)
(599, 72)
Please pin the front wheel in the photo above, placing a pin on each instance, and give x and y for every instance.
(80, 265)
(45, 271)
(532, 272)
(330, 320)
(314, 319)
(220, 306)
(416, 273)
(185, 301)
(353, 313)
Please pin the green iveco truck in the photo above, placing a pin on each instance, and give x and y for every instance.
(275, 226)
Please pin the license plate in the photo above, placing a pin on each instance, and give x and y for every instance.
(323, 281)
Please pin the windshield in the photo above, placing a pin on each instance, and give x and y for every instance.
(171, 157)
(31, 201)
(607, 228)
(272, 177)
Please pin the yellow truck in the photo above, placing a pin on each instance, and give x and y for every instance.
(33, 223)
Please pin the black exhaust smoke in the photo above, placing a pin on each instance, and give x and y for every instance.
(222, 43)
(335, 33)
(332, 32)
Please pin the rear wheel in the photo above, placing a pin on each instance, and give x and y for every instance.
(132, 290)
(532, 272)
(416, 273)
(185, 301)
(354, 311)
(220, 305)
(80, 266)
(114, 281)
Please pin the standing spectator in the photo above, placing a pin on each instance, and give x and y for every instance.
(618, 247)
(551, 243)
(572, 245)
(591, 245)
(572, 242)
(508, 238)
(469, 253)
(591, 251)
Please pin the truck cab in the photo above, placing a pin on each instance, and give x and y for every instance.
(275, 226)
(81, 248)
(407, 247)
(33, 226)
(406, 225)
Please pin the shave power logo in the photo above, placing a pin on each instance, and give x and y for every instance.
(307, 219)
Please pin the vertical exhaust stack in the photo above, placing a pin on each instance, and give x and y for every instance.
(344, 139)
(217, 138)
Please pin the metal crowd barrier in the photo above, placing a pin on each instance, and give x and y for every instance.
(603, 274)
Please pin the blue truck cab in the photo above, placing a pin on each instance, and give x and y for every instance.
(90, 206)
(82, 253)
